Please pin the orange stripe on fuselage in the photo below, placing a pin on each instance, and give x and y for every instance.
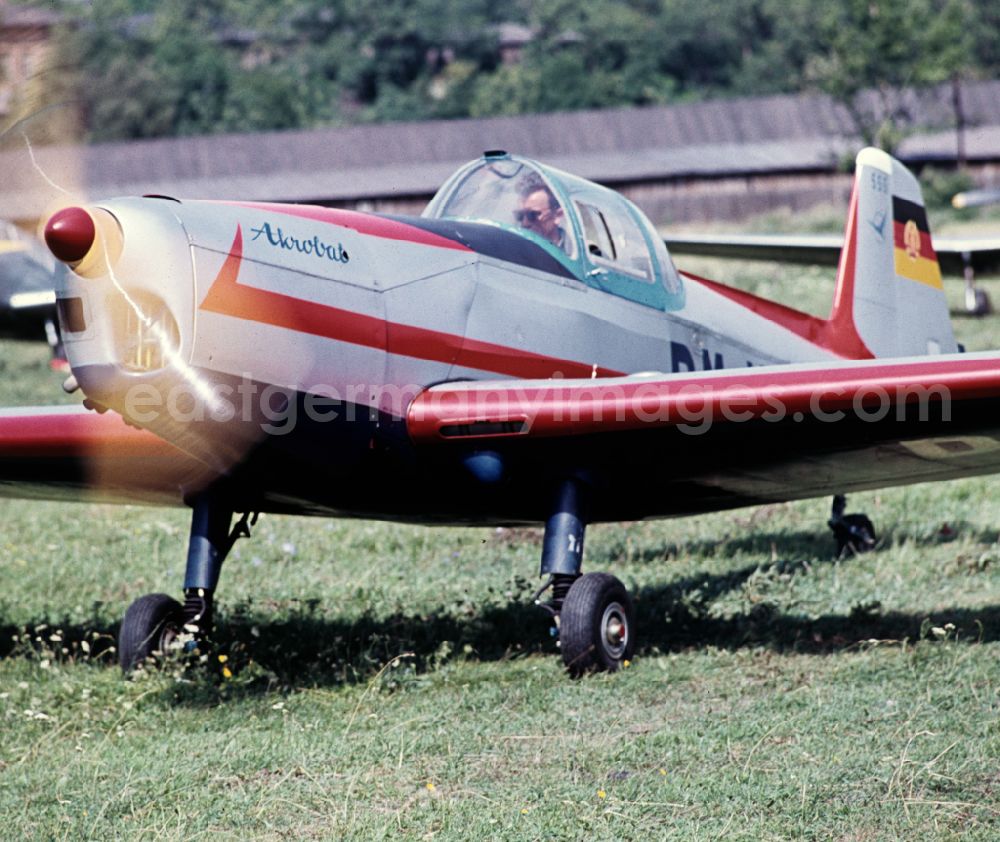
(228, 297)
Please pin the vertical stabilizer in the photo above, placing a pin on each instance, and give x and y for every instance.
(889, 294)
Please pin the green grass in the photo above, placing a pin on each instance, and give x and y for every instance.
(395, 682)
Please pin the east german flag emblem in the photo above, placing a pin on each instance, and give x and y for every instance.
(915, 257)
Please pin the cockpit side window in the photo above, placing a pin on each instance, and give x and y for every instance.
(671, 279)
(595, 232)
(613, 237)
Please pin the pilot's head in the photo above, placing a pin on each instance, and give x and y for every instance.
(540, 212)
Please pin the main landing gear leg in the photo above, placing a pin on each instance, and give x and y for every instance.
(592, 612)
(154, 621)
(854, 533)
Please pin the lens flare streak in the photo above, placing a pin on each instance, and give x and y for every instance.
(168, 351)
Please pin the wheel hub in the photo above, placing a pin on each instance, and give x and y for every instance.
(614, 629)
(168, 638)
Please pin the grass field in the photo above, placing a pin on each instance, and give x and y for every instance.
(382, 681)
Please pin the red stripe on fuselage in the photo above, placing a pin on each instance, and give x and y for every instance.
(363, 223)
(228, 297)
(802, 324)
(838, 334)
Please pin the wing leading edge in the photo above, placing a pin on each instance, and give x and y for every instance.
(709, 440)
(70, 453)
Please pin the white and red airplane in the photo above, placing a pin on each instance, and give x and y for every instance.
(523, 352)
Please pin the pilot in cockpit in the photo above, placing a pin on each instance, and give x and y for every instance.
(540, 212)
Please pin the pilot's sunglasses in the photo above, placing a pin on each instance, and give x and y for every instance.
(527, 216)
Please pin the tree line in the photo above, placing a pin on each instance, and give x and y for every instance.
(153, 68)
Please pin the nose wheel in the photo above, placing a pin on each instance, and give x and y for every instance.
(596, 625)
(153, 622)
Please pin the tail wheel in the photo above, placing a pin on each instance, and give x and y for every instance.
(857, 535)
(853, 533)
(596, 625)
(150, 625)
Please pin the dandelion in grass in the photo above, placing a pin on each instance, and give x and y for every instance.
(601, 794)
(430, 786)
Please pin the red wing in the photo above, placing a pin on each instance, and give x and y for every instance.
(734, 437)
(69, 453)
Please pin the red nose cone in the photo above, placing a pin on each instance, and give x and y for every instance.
(69, 234)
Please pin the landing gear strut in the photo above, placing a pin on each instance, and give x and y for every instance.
(854, 533)
(155, 621)
(593, 612)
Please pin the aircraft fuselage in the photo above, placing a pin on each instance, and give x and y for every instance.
(283, 344)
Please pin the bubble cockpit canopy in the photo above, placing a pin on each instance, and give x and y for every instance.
(603, 238)
(508, 191)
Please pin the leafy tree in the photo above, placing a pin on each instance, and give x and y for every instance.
(261, 99)
(777, 48)
(887, 47)
(146, 68)
(985, 57)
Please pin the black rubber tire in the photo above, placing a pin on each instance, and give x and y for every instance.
(594, 603)
(983, 305)
(149, 624)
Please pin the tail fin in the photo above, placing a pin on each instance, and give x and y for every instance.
(889, 296)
